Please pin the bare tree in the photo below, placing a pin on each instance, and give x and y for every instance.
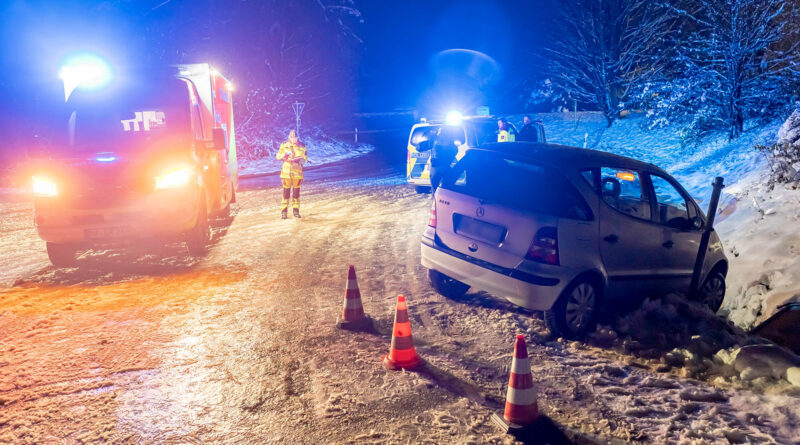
(602, 48)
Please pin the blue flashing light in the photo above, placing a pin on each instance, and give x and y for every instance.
(454, 118)
(105, 158)
(85, 71)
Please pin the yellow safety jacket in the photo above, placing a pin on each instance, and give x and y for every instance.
(505, 136)
(292, 167)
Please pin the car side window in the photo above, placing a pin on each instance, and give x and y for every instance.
(622, 189)
(671, 206)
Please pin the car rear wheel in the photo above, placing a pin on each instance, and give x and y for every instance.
(198, 238)
(712, 292)
(421, 189)
(575, 312)
(61, 255)
(449, 287)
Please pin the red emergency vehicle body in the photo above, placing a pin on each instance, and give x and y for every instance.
(152, 156)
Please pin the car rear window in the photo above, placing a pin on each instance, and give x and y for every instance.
(499, 179)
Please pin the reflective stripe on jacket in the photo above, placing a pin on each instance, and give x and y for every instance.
(292, 167)
(505, 136)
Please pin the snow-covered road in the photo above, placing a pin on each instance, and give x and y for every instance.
(240, 347)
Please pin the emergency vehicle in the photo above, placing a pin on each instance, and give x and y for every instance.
(151, 155)
(477, 131)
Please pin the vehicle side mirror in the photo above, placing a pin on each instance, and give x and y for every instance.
(218, 139)
(696, 223)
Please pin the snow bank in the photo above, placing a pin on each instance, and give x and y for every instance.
(691, 341)
(321, 150)
(762, 245)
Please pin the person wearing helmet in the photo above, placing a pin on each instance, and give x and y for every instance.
(293, 154)
(505, 131)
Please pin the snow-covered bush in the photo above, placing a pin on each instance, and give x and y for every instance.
(784, 156)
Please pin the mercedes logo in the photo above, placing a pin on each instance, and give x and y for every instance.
(480, 212)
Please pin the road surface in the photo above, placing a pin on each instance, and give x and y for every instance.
(146, 345)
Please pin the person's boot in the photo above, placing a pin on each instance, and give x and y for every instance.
(296, 213)
(284, 214)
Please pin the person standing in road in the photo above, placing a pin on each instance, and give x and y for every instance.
(293, 154)
(528, 132)
(443, 155)
(505, 131)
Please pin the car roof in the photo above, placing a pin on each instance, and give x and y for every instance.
(465, 119)
(564, 155)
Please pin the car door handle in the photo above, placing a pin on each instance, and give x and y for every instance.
(668, 244)
(611, 238)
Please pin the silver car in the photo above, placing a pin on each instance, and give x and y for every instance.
(565, 230)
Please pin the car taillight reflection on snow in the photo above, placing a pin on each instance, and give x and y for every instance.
(544, 247)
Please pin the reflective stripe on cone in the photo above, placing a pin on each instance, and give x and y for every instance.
(521, 400)
(402, 354)
(353, 317)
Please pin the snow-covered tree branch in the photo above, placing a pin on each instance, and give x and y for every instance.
(739, 60)
(602, 48)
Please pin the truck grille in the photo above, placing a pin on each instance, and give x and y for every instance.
(101, 195)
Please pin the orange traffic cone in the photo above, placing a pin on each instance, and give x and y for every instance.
(522, 408)
(402, 354)
(353, 317)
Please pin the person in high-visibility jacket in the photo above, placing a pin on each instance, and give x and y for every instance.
(506, 132)
(293, 154)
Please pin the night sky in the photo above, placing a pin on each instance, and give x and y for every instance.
(406, 59)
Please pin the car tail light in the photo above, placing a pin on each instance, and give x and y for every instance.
(544, 247)
(432, 219)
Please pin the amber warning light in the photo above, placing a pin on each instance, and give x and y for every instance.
(626, 176)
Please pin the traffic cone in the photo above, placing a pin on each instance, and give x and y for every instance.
(402, 354)
(353, 317)
(522, 408)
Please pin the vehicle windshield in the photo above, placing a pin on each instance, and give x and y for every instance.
(132, 119)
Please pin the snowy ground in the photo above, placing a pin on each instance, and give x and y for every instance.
(240, 347)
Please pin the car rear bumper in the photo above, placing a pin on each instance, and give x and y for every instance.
(532, 291)
(162, 214)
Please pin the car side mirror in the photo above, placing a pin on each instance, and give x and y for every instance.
(218, 139)
(696, 223)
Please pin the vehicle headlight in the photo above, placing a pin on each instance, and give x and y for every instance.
(44, 187)
(174, 178)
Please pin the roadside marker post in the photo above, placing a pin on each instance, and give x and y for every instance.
(298, 110)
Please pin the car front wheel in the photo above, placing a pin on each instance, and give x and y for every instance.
(575, 312)
(449, 287)
(712, 292)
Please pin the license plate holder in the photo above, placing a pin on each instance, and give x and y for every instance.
(478, 230)
(107, 232)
